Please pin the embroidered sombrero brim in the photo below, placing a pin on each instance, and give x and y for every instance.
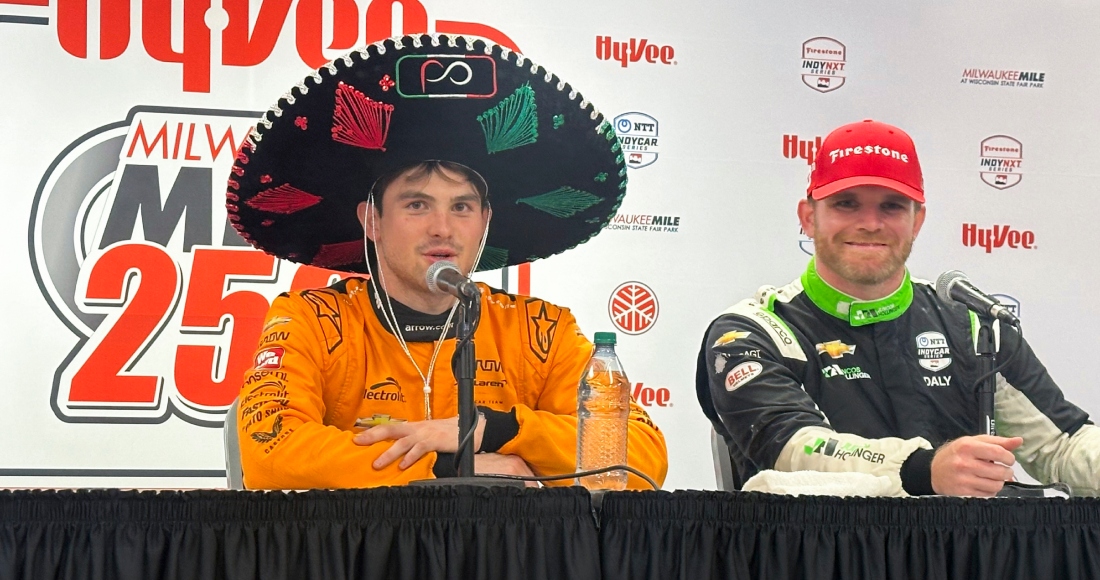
(553, 164)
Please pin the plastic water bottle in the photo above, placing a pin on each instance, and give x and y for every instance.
(603, 405)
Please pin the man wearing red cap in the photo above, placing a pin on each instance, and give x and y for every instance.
(856, 367)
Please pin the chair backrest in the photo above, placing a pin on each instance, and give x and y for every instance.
(723, 467)
(234, 477)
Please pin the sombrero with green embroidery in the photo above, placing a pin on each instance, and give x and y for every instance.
(552, 162)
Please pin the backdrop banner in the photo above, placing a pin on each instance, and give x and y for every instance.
(133, 307)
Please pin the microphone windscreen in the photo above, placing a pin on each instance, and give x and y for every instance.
(944, 282)
(432, 276)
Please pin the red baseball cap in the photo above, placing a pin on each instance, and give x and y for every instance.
(866, 153)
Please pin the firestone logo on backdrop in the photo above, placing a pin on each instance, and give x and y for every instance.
(1001, 161)
(249, 34)
(635, 50)
(633, 308)
(638, 133)
(998, 236)
(823, 63)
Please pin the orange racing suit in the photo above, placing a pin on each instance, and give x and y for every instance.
(327, 360)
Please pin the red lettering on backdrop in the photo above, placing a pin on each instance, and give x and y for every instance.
(240, 45)
(380, 19)
(207, 310)
(474, 29)
(156, 35)
(307, 29)
(239, 48)
(114, 27)
(103, 377)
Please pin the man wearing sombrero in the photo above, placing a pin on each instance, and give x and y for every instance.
(384, 162)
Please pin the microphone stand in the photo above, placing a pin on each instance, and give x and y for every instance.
(464, 366)
(986, 349)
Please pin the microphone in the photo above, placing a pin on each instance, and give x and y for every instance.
(445, 278)
(953, 285)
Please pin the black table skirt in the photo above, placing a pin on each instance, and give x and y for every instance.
(693, 534)
(384, 533)
(535, 534)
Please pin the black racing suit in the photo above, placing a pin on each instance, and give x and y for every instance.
(806, 378)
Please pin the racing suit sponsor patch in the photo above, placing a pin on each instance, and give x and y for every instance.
(742, 374)
(932, 351)
(269, 358)
(835, 348)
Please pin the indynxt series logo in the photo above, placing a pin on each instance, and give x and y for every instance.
(842, 451)
(132, 249)
(850, 373)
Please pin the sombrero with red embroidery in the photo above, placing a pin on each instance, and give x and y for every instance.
(552, 162)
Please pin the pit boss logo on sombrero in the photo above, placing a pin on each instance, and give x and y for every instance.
(638, 134)
(823, 62)
(1002, 158)
(132, 249)
(446, 76)
(932, 351)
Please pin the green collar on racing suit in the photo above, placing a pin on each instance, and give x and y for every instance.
(857, 312)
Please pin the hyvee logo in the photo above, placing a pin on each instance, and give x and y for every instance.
(321, 30)
(997, 237)
(823, 62)
(793, 147)
(1001, 160)
(638, 135)
(428, 76)
(633, 308)
(633, 50)
(132, 249)
(649, 397)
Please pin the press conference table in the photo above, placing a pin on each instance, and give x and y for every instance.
(538, 533)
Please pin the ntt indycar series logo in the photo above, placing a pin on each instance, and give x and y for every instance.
(1002, 159)
(638, 133)
(823, 63)
(132, 249)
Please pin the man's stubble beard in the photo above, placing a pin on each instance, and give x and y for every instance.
(829, 254)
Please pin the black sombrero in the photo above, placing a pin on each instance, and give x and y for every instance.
(553, 164)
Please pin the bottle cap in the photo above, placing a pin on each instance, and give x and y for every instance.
(605, 338)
